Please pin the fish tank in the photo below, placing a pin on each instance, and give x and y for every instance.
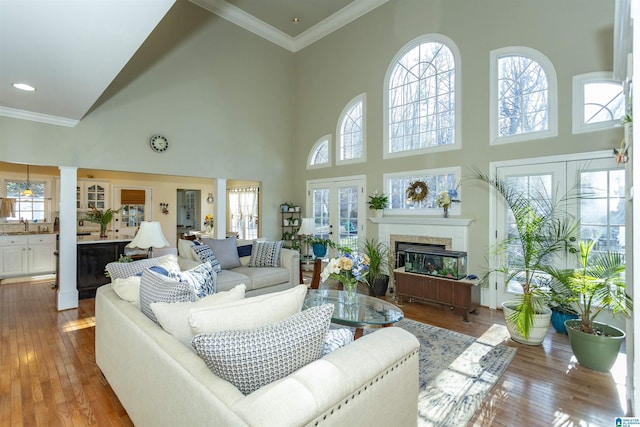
(436, 262)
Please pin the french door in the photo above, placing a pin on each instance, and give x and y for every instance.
(337, 207)
(597, 188)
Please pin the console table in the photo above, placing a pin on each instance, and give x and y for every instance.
(462, 295)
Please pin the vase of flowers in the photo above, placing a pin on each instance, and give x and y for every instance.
(208, 222)
(444, 200)
(348, 269)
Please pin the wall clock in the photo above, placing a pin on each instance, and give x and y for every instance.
(159, 143)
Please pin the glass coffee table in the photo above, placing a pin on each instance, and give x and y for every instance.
(367, 312)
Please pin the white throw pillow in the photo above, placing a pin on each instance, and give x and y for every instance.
(174, 317)
(128, 289)
(248, 313)
(184, 249)
(169, 262)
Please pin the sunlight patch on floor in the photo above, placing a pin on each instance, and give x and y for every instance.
(74, 325)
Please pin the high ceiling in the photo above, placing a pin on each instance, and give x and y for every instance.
(52, 44)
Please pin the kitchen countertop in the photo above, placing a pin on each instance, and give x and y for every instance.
(86, 240)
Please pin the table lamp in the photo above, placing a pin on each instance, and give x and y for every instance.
(149, 236)
(307, 228)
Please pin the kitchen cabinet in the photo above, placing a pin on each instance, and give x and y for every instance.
(28, 254)
(90, 193)
(93, 257)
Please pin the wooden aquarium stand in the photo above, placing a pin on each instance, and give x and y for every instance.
(461, 295)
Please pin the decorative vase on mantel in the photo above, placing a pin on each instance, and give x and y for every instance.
(103, 231)
(445, 213)
(378, 213)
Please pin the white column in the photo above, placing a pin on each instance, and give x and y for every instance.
(220, 208)
(67, 296)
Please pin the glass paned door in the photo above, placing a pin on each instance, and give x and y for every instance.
(338, 211)
(544, 182)
(596, 190)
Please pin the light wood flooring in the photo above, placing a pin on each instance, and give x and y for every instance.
(48, 375)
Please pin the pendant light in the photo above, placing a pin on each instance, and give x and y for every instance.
(27, 190)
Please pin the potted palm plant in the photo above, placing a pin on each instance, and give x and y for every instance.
(542, 233)
(596, 285)
(379, 259)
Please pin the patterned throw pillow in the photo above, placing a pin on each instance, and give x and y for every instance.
(265, 254)
(204, 254)
(336, 338)
(250, 359)
(155, 287)
(121, 270)
(201, 278)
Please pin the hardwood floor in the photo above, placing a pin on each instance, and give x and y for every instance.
(48, 375)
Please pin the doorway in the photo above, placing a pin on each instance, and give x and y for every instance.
(188, 216)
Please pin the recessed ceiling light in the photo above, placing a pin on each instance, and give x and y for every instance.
(24, 86)
(296, 20)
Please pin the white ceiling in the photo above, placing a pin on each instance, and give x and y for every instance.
(51, 44)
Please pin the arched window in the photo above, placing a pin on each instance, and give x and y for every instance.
(523, 95)
(598, 102)
(320, 154)
(422, 91)
(351, 135)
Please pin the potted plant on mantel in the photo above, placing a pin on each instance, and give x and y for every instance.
(543, 234)
(595, 286)
(378, 202)
(379, 264)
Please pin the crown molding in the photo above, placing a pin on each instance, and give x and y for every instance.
(37, 117)
(249, 22)
(334, 22)
(323, 28)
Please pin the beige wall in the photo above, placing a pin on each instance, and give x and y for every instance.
(576, 35)
(221, 95)
(236, 106)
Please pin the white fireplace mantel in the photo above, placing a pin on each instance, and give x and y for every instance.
(456, 230)
(422, 220)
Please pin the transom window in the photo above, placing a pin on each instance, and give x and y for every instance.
(437, 180)
(351, 127)
(598, 102)
(319, 155)
(523, 100)
(421, 87)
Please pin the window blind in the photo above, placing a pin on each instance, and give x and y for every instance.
(132, 197)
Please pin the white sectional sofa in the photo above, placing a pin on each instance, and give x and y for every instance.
(161, 382)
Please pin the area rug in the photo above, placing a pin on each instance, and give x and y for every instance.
(456, 371)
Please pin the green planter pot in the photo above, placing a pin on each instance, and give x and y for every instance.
(594, 351)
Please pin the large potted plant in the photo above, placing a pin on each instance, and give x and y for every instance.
(542, 234)
(379, 259)
(596, 285)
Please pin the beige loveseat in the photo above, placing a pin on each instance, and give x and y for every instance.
(258, 280)
(160, 382)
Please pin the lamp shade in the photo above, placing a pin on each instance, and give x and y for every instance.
(307, 228)
(149, 236)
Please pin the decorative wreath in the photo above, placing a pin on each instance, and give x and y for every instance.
(417, 191)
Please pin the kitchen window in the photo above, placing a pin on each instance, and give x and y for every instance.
(30, 208)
